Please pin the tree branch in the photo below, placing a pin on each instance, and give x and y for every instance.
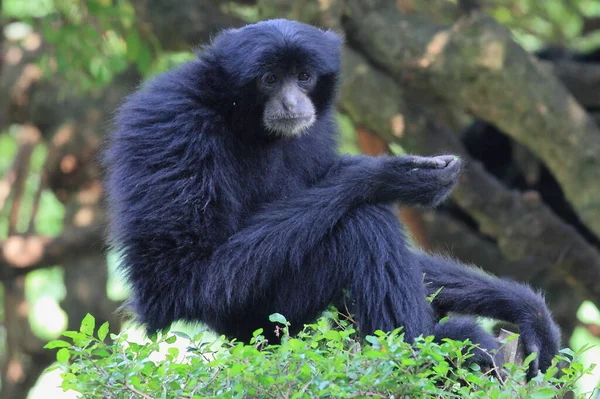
(22, 254)
(180, 25)
(475, 64)
(590, 25)
(582, 80)
(14, 182)
(525, 229)
(451, 236)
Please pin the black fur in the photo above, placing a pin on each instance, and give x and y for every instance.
(220, 222)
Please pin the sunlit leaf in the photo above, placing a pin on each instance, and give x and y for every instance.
(103, 331)
(88, 325)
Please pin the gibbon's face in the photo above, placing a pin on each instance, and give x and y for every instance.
(289, 111)
(293, 67)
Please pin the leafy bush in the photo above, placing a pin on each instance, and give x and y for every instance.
(320, 362)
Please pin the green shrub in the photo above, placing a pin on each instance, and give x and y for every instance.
(320, 362)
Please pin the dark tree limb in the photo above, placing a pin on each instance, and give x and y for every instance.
(181, 25)
(468, 6)
(449, 235)
(581, 79)
(590, 25)
(27, 138)
(20, 255)
(474, 64)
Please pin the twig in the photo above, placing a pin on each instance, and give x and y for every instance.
(28, 137)
(36, 203)
(20, 255)
(137, 392)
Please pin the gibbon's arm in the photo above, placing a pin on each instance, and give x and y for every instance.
(467, 290)
(410, 180)
(284, 231)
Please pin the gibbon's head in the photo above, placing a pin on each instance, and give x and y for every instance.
(282, 74)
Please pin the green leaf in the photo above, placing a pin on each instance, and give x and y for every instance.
(144, 59)
(69, 381)
(133, 44)
(63, 356)
(278, 318)
(236, 369)
(57, 343)
(88, 324)
(474, 379)
(171, 339)
(181, 334)
(103, 331)
(530, 358)
(101, 353)
(568, 352)
(174, 352)
(257, 332)
(78, 338)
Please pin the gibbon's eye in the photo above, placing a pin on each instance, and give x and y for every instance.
(270, 79)
(303, 76)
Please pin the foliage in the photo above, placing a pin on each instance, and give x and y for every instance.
(87, 42)
(536, 24)
(320, 362)
(91, 42)
(95, 40)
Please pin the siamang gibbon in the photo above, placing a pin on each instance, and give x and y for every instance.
(229, 202)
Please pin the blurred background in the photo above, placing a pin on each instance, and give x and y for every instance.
(513, 86)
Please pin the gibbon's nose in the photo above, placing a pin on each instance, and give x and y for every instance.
(289, 103)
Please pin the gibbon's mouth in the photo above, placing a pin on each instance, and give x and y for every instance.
(289, 125)
(290, 118)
